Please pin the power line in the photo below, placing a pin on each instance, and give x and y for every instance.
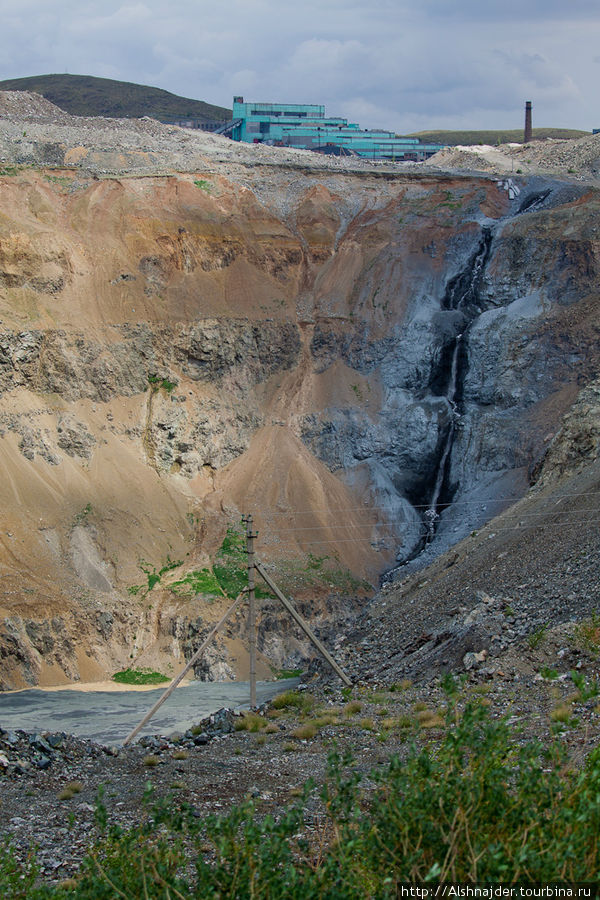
(330, 527)
(344, 509)
(394, 524)
(528, 528)
(457, 503)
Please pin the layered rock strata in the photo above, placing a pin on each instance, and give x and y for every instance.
(371, 363)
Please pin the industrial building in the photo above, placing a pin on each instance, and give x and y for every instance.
(306, 127)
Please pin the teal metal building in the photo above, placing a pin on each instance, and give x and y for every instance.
(306, 127)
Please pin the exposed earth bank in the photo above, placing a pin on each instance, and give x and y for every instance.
(379, 362)
(373, 360)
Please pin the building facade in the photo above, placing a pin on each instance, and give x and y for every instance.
(306, 127)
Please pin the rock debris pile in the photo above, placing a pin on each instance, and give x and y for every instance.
(580, 157)
(19, 106)
(23, 753)
(35, 132)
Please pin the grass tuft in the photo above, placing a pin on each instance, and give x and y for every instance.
(352, 707)
(151, 761)
(250, 721)
(367, 724)
(70, 790)
(536, 637)
(430, 718)
(305, 732)
(299, 700)
(587, 633)
(561, 712)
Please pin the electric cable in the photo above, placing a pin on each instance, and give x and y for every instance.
(455, 504)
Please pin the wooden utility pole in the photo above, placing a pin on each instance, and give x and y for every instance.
(183, 672)
(253, 566)
(303, 625)
(250, 536)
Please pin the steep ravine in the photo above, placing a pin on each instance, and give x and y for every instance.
(458, 453)
(462, 297)
(371, 365)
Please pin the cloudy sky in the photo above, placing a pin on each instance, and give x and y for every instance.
(405, 66)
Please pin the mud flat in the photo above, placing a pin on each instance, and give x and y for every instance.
(107, 716)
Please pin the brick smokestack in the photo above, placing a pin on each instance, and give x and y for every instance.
(528, 133)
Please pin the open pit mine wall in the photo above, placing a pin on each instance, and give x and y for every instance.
(174, 350)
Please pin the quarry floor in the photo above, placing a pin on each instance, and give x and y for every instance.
(53, 809)
(530, 593)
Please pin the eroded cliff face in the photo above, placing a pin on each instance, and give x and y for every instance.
(370, 364)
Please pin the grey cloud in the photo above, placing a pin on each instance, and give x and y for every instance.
(387, 63)
(515, 11)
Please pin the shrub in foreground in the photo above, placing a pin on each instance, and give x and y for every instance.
(478, 806)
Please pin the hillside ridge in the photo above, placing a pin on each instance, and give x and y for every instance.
(495, 136)
(88, 95)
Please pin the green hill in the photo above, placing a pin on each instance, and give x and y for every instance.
(453, 138)
(85, 95)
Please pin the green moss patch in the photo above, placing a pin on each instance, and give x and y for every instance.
(139, 676)
(202, 581)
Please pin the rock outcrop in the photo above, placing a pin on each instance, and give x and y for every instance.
(372, 362)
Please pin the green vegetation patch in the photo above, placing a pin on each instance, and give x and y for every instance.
(537, 637)
(477, 807)
(154, 577)
(203, 581)
(231, 578)
(320, 572)
(299, 700)
(234, 543)
(281, 674)
(586, 690)
(62, 181)
(83, 514)
(203, 185)
(139, 676)
(452, 202)
(228, 575)
(231, 564)
(157, 383)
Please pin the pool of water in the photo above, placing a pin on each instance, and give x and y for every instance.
(108, 717)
